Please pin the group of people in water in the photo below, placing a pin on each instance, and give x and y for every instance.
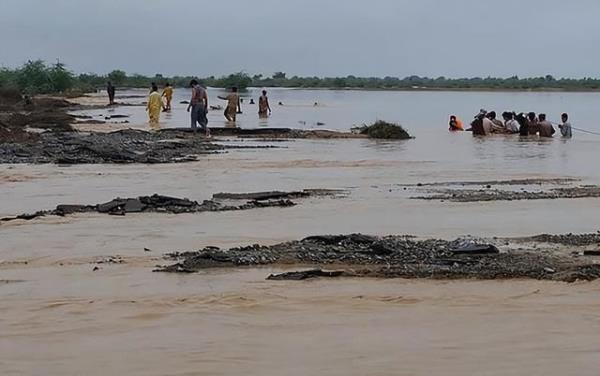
(486, 123)
(198, 105)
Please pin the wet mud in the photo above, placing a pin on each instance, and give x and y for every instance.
(517, 189)
(39, 130)
(577, 240)
(482, 195)
(172, 205)
(18, 114)
(54, 140)
(485, 183)
(124, 146)
(360, 255)
(277, 195)
(284, 133)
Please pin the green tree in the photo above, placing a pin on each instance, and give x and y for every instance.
(7, 77)
(60, 78)
(241, 80)
(33, 78)
(279, 75)
(117, 77)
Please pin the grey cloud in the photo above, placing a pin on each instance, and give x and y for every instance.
(307, 37)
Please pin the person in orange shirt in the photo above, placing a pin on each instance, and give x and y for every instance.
(168, 94)
(455, 124)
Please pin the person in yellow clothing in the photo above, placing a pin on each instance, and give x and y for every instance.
(154, 106)
(168, 94)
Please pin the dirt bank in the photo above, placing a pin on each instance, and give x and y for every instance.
(467, 195)
(485, 183)
(40, 130)
(573, 240)
(125, 146)
(136, 146)
(514, 190)
(278, 133)
(18, 114)
(398, 257)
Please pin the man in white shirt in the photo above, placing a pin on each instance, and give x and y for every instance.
(487, 126)
(565, 127)
(510, 124)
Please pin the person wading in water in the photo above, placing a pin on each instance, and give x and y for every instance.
(168, 94)
(264, 109)
(154, 106)
(198, 107)
(233, 104)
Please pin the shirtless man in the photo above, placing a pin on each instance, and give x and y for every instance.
(497, 125)
(199, 107)
(264, 109)
(533, 125)
(546, 128)
(233, 104)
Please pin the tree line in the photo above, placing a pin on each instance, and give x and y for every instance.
(38, 77)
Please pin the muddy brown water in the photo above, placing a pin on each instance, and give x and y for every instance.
(61, 317)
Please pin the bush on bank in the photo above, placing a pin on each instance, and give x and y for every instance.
(384, 130)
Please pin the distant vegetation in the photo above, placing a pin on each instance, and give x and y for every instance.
(36, 77)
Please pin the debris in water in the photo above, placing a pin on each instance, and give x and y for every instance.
(305, 274)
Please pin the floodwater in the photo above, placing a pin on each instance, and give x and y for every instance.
(60, 317)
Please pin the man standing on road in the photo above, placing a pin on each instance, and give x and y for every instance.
(199, 107)
(110, 89)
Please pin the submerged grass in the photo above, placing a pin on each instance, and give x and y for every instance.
(384, 130)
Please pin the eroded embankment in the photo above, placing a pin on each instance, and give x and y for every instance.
(124, 146)
(173, 205)
(19, 115)
(284, 133)
(40, 130)
(400, 257)
(138, 146)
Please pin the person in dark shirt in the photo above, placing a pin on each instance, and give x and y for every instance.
(110, 90)
(523, 124)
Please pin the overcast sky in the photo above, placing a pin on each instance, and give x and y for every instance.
(453, 38)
